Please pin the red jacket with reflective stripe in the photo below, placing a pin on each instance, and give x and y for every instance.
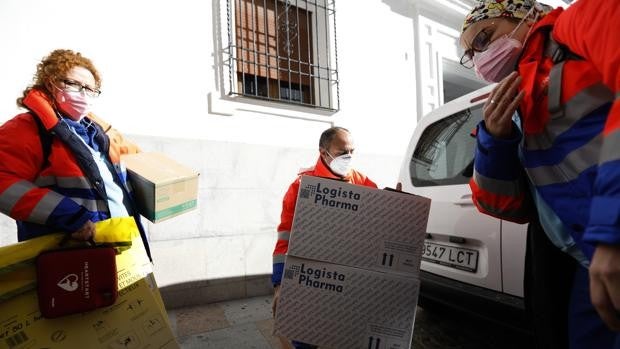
(63, 194)
(288, 209)
(571, 156)
(590, 28)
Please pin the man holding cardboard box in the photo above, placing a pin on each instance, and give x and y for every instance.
(335, 153)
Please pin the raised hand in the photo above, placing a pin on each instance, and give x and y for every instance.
(501, 105)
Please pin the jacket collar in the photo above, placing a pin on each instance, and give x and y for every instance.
(533, 69)
(39, 103)
(534, 44)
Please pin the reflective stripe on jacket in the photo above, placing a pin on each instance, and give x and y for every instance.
(288, 210)
(564, 113)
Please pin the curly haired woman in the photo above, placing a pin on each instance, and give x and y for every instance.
(60, 168)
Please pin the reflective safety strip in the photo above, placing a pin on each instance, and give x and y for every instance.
(64, 182)
(91, 205)
(278, 258)
(579, 106)
(512, 215)
(44, 207)
(45, 181)
(569, 169)
(12, 194)
(498, 186)
(554, 97)
(284, 235)
(611, 147)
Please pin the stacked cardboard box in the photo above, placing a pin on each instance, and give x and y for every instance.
(351, 276)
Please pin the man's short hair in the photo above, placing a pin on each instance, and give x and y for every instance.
(328, 136)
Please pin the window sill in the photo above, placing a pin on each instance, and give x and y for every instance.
(230, 105)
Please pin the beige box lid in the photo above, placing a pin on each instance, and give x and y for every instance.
(157, 167)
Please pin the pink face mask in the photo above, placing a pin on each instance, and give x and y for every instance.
(500, 58)
(74, 104)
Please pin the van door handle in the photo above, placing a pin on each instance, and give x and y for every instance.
(465, 200)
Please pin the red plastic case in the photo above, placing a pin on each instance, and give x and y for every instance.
(76, 280)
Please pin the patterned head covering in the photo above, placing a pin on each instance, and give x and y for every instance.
(517, 9)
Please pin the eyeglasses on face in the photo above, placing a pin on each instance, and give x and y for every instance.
(479, 44)
(75, 86)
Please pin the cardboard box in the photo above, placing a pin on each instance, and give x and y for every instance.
(136, 320)
(163, 188)
(337, 306)
(359, 226)
(351, 276)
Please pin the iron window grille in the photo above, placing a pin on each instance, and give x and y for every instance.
(284, 51)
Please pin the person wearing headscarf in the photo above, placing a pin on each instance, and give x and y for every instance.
(558, 159)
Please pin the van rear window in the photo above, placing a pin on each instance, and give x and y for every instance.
(445, 152)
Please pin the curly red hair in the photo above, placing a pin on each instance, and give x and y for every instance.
(55, 67)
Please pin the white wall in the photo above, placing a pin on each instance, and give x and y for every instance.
(159, 67)
(157, 62)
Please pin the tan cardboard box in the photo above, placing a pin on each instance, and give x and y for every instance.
(163, 187)
(351, 276)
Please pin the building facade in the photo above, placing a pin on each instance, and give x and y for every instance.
(241, 90)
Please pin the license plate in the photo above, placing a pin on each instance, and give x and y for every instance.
(451, 256)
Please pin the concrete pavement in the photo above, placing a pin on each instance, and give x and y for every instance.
(247, 324)
(244, 323)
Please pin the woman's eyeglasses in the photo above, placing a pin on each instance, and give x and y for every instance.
(74, 86)
(479, 44)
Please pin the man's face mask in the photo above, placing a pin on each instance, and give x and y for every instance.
(340, 165)
(500, 58)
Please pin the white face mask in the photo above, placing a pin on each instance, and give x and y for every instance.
(340, 165)
(74, 104)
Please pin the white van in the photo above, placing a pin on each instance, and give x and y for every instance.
(473, 261)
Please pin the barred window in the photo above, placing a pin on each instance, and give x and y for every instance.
(284, 50)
